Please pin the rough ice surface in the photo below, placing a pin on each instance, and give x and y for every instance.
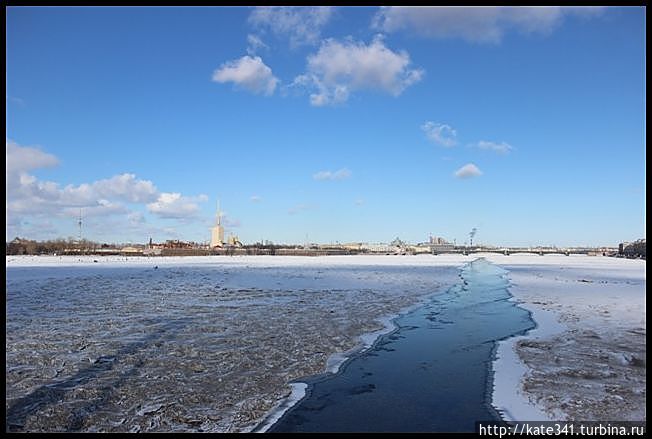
(197, 344)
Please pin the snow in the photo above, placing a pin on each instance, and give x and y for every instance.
(587, 309)
(298, 392)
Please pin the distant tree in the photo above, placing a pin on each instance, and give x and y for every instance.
(636, 249)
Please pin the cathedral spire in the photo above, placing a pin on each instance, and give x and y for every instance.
(217, 232)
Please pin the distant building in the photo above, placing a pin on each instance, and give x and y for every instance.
(437, 244)
(234, 241)
(133, 251)
(418, 249)
(354, 246)
(437, 240)
(380, 248)
(217, 232)
(176, 243)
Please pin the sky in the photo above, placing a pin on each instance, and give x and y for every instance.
(327, 124)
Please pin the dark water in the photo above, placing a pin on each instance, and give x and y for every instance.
(433, 374)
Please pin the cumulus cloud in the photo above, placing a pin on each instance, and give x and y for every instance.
(28, 197)
(341, 174)
(341, 67)
(477, 24)
(440, 133)
(29, 194)
(174, 205)
(25, 158)
(248, 72)
(501, 148)
(126, 187)
(301, 25)
(468, 171)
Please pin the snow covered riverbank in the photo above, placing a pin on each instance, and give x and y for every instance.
(586, 358)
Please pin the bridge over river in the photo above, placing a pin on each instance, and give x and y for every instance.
(591, 251)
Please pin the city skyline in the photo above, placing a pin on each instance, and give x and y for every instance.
(331, 124)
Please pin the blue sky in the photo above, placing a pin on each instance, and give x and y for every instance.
(327, 124)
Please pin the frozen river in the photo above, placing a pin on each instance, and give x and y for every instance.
(212, 343)
(187, 344)
(432, 374)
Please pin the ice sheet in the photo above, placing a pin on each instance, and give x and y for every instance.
(586, 358)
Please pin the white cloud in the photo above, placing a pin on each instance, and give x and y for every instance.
(468, 171)
(359, 202)
(174, 205)
(25, 158)
(328, 175)
(255, 43)
(28, 197)
(248, 72)
(478, 24)
(255, 199)
(339, 68)
(501, 148)
(301, 25)
(27, 194)
(440, 133)
(126, 187)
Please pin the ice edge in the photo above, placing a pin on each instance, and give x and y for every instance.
(507, 397)
(335, 361)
